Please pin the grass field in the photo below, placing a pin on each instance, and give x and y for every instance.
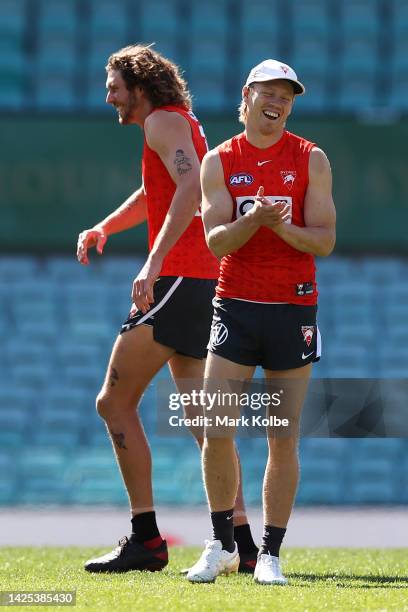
(320, 579)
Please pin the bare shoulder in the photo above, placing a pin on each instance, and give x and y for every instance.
(211, 160)
(211, 167)
(161, 119)
(162, 123)
(318, 161)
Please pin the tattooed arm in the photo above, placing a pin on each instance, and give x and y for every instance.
(169, 134)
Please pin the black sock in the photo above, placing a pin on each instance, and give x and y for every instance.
(272, 540)
(223, 528)
(144, 527)
(244, 540)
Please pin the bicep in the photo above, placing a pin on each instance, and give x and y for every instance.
(217, 203)
(170, 137)
(319, 210)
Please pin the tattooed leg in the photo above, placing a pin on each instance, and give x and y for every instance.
(135, 359)
(113, 376)
(119, 439)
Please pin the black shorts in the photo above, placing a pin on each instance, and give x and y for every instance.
(274, 336)
(180, 315)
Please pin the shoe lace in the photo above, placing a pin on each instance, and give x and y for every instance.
(123, 542)
(210, 552)
(273, 562)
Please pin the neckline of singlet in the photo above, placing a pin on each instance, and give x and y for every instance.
(273, 148)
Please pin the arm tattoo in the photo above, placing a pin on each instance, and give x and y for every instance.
(182, 162)
(113, 376)
(119, 439)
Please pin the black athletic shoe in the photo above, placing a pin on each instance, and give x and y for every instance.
(130, 556)
(247, 562)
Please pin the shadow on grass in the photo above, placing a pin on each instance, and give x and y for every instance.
(354, 580)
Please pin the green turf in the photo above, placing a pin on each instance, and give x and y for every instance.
(320, 579)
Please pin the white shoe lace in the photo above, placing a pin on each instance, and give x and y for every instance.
(210, 553)
(273, 563)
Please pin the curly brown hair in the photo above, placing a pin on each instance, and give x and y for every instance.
(161, 79)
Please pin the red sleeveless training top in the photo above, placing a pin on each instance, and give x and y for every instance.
(190, 255)
(267, 269)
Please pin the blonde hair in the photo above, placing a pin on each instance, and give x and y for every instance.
(160, 78)
(242, 111)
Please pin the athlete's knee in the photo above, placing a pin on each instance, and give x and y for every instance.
(103, 406)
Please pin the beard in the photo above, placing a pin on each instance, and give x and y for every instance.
(126, 111)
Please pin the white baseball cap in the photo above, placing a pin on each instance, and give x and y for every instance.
(270, 69)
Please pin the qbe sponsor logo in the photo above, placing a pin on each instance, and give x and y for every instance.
(245, 203)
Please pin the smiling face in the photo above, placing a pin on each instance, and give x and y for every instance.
(269, 104)
(126, 102)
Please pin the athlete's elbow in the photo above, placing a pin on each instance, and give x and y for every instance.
(325, 248)
(216, 248)
(216, 243)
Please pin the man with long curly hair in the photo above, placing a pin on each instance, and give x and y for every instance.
(170, 318)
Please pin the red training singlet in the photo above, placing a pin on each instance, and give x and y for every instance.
(190, 255)
(267, 269)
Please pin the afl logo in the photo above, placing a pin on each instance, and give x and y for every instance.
(219, 334)
(241, 179)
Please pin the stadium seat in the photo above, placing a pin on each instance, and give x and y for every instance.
(322, 449)
(261, 14)
(57, 11)
(393, 362)
(82, 354)
(97, 438)
(13, 425)
(55, 91)
(373, 491)
(315, 99)
(22, 352)
(361, 16)
(108, 16)
(99, 492)
(57, 54)
(390, 450)
(349, 361)
(67, 270)
(13, 11)
(33, 376)
(9, 487)
(208, 91)
(209, 19)
(44, 491)
(255, 47)
(358, 92)
(319, 493)
(168, 25)
(16, 399)
(95, 479)
(18, 267)
(208, 55)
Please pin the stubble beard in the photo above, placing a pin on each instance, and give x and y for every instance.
(125, 114)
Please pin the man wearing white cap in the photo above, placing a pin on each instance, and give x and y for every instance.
(267, 210)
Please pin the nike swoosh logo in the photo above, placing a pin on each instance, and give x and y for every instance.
(229, 518)
(264, 162)
(306, 356)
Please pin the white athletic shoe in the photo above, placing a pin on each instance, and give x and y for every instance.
(268, 571)
(213, 562)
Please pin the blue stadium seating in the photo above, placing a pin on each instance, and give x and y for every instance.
(50, 379)
(311, 34)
